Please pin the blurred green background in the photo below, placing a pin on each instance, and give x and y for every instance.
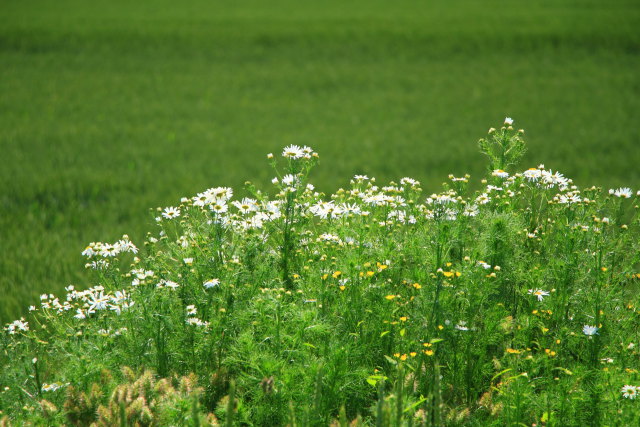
(109, 108)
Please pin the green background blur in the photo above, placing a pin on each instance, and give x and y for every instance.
(109, 108)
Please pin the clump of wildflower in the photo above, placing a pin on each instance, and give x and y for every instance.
(110, 250)
(295, 152)
(16, 326)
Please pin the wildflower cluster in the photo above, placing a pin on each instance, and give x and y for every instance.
(378, 304)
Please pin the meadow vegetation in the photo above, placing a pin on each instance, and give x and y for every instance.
(513, 304)
(108, 108)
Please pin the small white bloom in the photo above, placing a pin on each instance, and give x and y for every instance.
(508, 121)
(462, 326)
(188, 261)
(52, 387)
(539, 293)
(17, 325)
(589, 330)
(170, 284)
(219, 207)
(88, 252)
(211, 283)
(171, 212)
(483, 199)
(194, 321)
(623, 192)
(289, 180)
(629, 392)
(484, 265)
(293, 152)
(409, 181)
(246, 205)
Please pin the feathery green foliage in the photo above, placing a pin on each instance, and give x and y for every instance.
(513, 304)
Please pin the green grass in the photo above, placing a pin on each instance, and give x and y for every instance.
(109, 108)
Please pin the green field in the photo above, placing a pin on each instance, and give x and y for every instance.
(110, 108)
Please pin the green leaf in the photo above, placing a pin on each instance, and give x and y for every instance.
(411, 407)
(500, 373)
(565, 370)
(390, 360)
(373, 379)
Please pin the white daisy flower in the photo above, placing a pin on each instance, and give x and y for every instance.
(170, 284)
(500, 173)
(409, 181)
(307, 152)
(629, 392)
(483, 199)
(293, 152)
(246, 205)
(203, 199)
(508, 121)
(194, 321)
(88, 252)
(462, 326)
(532, 174)
(211, 283)
(109, 250)
(51, 387)
(221, 194)
(539, 293)
(623, 192)
(322, 209)
(97, 301)
(289, 180)
(219, 207)
(171, 212)
(589, 330)
(17, 325)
